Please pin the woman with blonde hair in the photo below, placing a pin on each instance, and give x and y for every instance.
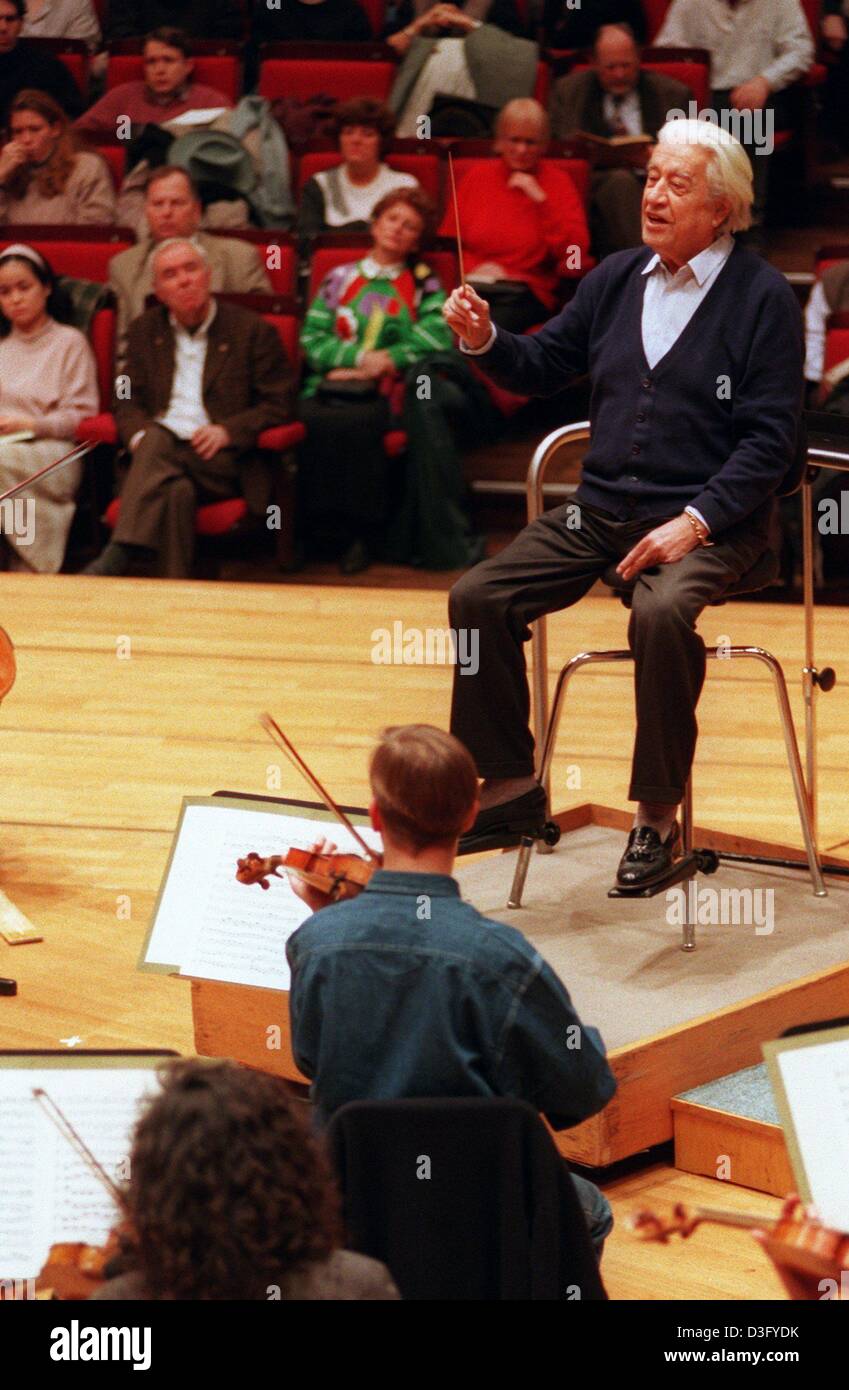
(44, 176)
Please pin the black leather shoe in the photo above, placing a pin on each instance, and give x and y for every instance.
(647, 857)
(500, 827)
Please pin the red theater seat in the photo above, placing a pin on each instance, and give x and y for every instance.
(345, 70)
(221, 70)
(836, 340)
(84, 252)
(829, 255)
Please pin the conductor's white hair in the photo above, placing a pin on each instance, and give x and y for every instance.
(729, 169)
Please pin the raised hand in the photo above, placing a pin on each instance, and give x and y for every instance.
(468, 315)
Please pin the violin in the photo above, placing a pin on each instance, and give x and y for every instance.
(73, 1269)
(336, 876)
(793, 1240)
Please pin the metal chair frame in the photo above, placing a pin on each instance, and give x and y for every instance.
(546, 727)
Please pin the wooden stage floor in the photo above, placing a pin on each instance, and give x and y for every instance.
(133, 693)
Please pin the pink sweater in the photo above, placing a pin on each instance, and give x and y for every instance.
(51, 376)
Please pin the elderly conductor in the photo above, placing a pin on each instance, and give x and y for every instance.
(694, 350)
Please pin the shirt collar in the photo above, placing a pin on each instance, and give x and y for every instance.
(156, 99)
(202, 328)
(410, 884)
(372, 270)
(702, 265)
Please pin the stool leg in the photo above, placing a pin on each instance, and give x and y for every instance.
(520, 873)
(795, 765)
(689, 927)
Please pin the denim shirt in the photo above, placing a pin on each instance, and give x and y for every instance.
(408, 991)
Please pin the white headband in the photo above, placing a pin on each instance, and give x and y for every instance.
(26, 253)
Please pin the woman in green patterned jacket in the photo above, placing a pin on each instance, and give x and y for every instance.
(380, 357)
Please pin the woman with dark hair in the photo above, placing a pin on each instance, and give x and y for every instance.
(44, 177)
(342, 197)
(230, 1197)
(48, 385)
(375, 334)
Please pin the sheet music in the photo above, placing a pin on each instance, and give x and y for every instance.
(211, 926)
(47, 1192)
(816, 1085)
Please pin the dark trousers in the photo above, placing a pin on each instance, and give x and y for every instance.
(161, 492)
(549, 567)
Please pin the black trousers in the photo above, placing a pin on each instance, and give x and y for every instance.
(548, 567)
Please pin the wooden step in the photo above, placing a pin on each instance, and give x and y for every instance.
(729, 1129)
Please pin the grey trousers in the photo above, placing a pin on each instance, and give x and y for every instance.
(161, 492)
(549, 567)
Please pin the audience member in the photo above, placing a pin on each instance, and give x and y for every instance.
(374, 323)
(448, 51)
(830, 295)
(566, 25)
(231, 1198)
(44, 177)
(173, 209)
(757, 50)
(390, 1002)
(296, 21)
(343, 197)
(166, 91)
(130, 19)
(520, 217)
(415, 17)
(26, 66)
(62, 19)
(205, 380)
(48, 385)
(616, 96)
(835, 32)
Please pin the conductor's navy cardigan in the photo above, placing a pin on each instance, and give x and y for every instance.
(712, 425)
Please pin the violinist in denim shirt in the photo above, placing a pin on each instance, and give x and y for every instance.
(407, 991)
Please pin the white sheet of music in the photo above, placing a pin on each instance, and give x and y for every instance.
(212, 927)
(816, 1086)
(47, 1192)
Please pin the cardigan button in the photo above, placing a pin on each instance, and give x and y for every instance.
(635, 448)
(646, 383)
(641, 415)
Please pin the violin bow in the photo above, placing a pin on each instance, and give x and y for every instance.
(66, 1129)
(76, 453)
(456, 218)
(277, 736)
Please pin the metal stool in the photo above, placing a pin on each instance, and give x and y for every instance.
(762, 573)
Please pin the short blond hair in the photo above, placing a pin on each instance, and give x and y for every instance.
(729, 168)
